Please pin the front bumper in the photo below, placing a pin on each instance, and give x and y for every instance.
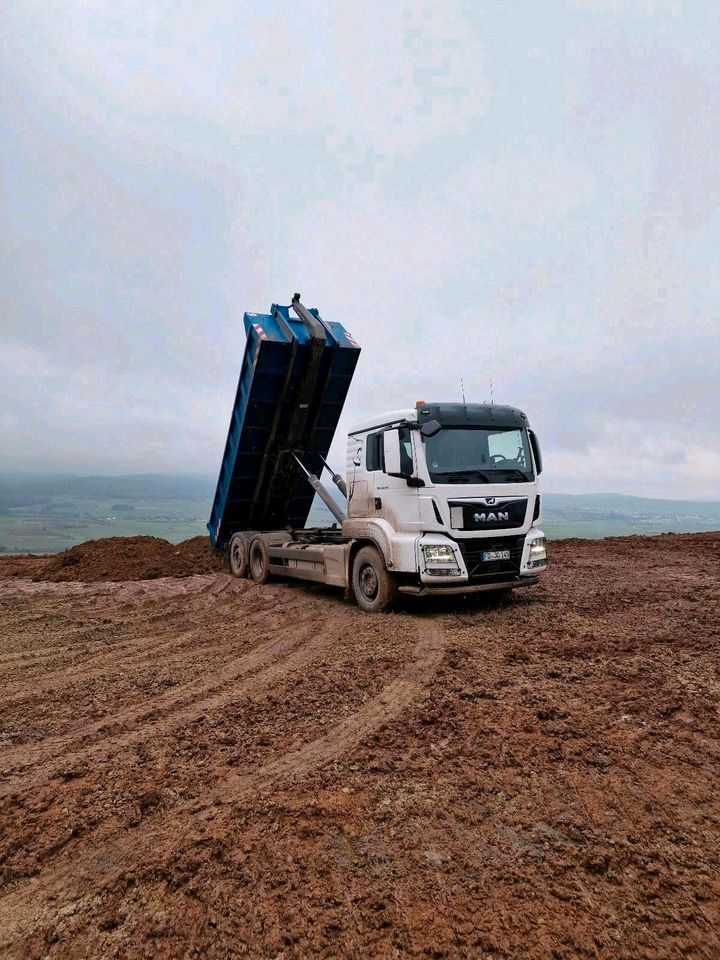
(472, 570)
(439, 590)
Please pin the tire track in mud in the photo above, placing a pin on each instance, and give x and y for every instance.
(142, 653)
(166, 712)
(67, 656)
(99, 663)
(23, 657)
(73, 638)
(60, 658)
(26, 907)
(72, 589)
(159, 591)
(125, 591)
(381, 709)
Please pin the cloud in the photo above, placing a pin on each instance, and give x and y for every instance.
(476, 193)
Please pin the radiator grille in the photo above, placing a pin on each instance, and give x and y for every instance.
(472, 550)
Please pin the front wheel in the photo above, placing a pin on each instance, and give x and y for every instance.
(375, 589)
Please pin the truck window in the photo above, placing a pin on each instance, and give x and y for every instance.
(507, 447)
(374, 459)
(373, 451)
(406, 458)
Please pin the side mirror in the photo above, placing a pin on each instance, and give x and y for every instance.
(536, 451)
(391, 452)
(430, 428)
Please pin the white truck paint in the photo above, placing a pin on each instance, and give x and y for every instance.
(441, 499)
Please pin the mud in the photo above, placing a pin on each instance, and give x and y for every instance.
(192, 765)
(116, 559)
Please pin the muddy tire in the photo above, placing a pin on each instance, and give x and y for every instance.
(239, 555)
(375, 589)
(259, 561)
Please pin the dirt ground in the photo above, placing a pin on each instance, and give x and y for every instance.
(195, 766)
(118, 558)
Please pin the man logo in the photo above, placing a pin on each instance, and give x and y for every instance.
(498, 517)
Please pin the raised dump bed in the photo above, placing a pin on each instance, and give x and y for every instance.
(295, 375)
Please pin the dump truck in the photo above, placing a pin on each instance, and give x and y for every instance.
(437, 499)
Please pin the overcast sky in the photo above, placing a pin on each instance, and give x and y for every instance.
(526, 192)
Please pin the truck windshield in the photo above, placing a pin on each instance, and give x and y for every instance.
(478, 455)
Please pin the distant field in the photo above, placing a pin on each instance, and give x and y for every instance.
(49, 535)
(597, 515)
(45, 515)
(49, 514)
(599, 529)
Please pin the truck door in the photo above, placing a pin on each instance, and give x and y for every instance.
(389, 496)
(357, 476)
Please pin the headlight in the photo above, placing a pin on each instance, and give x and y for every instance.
(538, 551)
(437, 553)
(440, 560)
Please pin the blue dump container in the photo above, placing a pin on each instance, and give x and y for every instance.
(295, 375)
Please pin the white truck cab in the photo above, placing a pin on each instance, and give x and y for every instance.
(447, 494)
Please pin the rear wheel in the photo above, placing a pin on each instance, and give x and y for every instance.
(375, 589)
(259, 561)
(239, 555)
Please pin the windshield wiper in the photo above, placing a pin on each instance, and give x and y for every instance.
(461, 476)
(516, 476)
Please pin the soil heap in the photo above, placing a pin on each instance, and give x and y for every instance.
(118, 558)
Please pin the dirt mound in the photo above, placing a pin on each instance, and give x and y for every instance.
(119, 558)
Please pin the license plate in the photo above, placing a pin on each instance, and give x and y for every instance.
(495, 555)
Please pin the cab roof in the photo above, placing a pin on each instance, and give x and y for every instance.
(449, 415)
(472, 414)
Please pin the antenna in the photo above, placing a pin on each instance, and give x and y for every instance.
(491, 393)
(462, 387)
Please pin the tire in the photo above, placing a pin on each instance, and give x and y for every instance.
(375, 589)
(239, 555)
(259, 561)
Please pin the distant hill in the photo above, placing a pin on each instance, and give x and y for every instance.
(44, 514)
(23, 490)
(623, 505)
